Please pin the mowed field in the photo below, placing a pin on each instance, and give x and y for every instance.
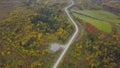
(102, 20)
(102, 15)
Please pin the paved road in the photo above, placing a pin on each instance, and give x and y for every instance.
(67, 45)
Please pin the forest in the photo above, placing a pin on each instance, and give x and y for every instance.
(29, 27)
(26, 35)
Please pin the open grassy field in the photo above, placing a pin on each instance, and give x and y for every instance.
(102, 15)
(101, 25)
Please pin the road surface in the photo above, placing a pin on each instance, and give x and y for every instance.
(67, 45)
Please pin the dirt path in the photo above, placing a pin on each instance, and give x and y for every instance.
(67, 45)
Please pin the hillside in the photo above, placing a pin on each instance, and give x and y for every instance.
(29, 29)
(6, 6)
(99, 46)
(109, 5)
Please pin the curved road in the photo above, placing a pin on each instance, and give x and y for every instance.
(67, 45)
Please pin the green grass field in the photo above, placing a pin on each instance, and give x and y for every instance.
(102, 15)
(101, 25)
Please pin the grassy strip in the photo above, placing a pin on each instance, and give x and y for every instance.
(102, 15)
(101, 25)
